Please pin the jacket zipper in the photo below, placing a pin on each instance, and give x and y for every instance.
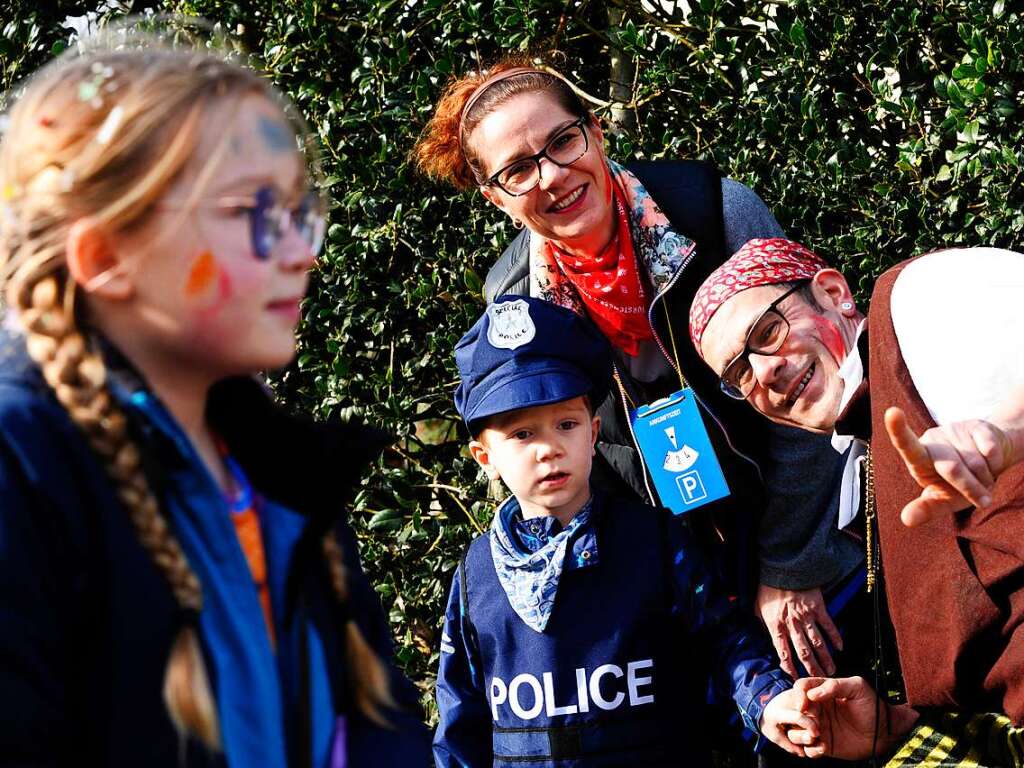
(629, 422)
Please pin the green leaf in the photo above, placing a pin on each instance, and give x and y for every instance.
(472, 281)
(798, 34)
(386, 519)
(954, 93)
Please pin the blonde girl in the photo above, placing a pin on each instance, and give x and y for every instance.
(175, 585)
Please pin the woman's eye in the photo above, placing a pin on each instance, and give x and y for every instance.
(519, 169)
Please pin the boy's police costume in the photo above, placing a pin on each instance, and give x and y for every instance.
(588, 645)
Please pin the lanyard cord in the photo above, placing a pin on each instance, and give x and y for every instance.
(675, 352)
(674, 361)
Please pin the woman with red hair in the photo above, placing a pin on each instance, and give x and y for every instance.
(628, 246)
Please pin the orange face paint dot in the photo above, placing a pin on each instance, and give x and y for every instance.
(203, 274)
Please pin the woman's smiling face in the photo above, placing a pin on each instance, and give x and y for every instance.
(571, 205)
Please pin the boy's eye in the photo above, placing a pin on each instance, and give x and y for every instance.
(569, 424)
(520, 434)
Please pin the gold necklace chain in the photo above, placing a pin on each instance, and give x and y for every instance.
(870, 514)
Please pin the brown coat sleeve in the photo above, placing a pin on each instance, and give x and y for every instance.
(956, 585)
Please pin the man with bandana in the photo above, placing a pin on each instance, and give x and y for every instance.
(781, 329)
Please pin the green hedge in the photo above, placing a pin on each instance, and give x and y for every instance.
(874, 131)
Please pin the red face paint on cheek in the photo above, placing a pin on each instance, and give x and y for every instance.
(223, 288)
(830, 336)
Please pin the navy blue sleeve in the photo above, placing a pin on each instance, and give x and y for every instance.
(742, 661)
(463, 737)
(33, 598)
(745, 216)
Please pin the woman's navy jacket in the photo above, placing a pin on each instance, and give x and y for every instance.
(86, 619)
(620, 674)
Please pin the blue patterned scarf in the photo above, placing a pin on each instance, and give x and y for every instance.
(530, 579)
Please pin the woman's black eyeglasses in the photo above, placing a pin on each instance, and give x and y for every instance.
(519, 177)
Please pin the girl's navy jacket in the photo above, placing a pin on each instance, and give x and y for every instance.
(620, 674)
(87, 620)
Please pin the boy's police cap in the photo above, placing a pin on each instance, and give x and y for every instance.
(525, 352)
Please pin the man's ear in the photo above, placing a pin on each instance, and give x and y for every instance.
(93, 262)
(482, 456)
(832, 292)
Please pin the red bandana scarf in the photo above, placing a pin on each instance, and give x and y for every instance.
(609, 284)
(644, 255)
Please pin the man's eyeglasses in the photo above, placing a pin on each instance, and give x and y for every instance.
(521, 176)
(270, 219)
(765, 337)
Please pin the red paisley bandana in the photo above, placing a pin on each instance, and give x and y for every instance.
(610, 286)
(762, 261)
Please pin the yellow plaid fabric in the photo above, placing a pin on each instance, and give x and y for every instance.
(967, 741)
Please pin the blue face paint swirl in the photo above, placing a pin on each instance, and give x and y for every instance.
(276, 134)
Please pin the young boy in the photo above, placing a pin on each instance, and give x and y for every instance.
(581, 630)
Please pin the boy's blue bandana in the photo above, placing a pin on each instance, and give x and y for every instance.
(530, 579)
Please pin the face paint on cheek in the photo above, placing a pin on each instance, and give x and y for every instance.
(202, 275)
(223, 289)
(276, 135)
(830, 336)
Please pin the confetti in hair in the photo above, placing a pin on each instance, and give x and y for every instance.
(89, 89)
(110, 125)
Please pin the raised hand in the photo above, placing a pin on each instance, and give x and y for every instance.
(955, 464)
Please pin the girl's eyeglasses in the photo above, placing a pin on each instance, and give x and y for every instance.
(270, 219)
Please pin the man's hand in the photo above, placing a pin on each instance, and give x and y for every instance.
(845, 711)
(787, 722)
(956, 464)
(799, 617)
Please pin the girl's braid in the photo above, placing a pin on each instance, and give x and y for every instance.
(77, 376)
(369, 675)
